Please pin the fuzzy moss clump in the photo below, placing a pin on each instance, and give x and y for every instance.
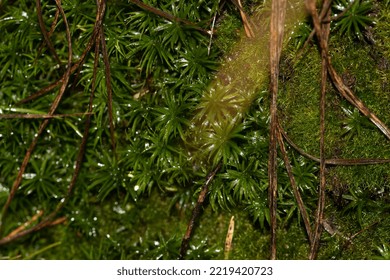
(357, 195)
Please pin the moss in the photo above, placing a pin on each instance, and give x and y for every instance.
(136, 204)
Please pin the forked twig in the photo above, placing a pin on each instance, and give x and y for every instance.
(344, 90)
(46, 34)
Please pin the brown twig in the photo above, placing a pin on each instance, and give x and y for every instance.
(278, 12)
(108, 86)
(331, 161)
(26, 224)
(325, 8)
(363, 230)
(51, 31)
(168, 16)
(229, 238)
(340, 15)
(45, 33)
(196, 212)
(293, 183)
(325, 30)
(40, 116)
(247, 25)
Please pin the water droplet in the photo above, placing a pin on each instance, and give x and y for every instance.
(29, 176)
(119, 209)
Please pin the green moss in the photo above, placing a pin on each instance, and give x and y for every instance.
(137, 204)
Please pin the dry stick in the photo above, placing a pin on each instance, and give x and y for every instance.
(332, 161)
(52, 27)
(108, 86)
(325, 30)
(247, 26)
(212, 32)
(363, 230)
(42, 91)
(45, 33)
(196, 212)
(26, 224)
(358, 103)
(325, 8)
(301, 206)
(43, 124)
(337, 17)
(40, 116)
(337, 80)
(47, 221)
(168, 16)
(54, 23)
(229, 238)
(278, 12)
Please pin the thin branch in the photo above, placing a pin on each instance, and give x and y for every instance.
(51, 31)
(363, 230)
(168, 16)
(325, 8)
(26, 224)
(229, 238)
(41, 92)
(107, 71)
(297, 195)
(325, 30)
(247, 25)
(278, 12)
(337, 17)
(45, 33)
(332, 161)
(40, 116)
(212, 32)
(196, 212)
